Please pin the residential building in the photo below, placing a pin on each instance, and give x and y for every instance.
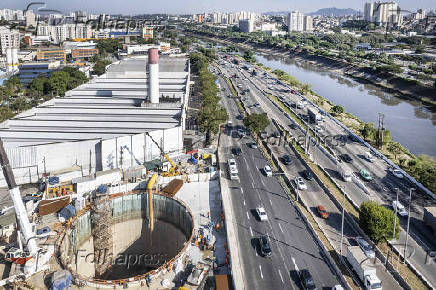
(11, 15)
(63, 32)
(295, 21)
(307, 23)
(30, 18)
(383, 13)
(147, 32)
(31, 70)
(268, 27)
(246, 25)
(48, 54)
(9, 39)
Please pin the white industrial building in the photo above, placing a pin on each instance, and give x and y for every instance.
(101, 125)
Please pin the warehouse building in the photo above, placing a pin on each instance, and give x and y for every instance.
(103, 124)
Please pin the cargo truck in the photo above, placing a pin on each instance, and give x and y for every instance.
(314, 116)
(360, 264)
(430, 217)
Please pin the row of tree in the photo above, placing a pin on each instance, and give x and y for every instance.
(211, 113)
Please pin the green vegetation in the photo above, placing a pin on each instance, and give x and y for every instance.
(58, 83)
(256, 122)
(337, 110)
(211, 113)
(109, 45)
(15, 98)
(249, 56)
(100, 66)
(377, 222)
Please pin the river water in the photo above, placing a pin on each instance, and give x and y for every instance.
(410, 123)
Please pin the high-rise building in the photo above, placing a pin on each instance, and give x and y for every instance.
(61, 33)
(8, 39)
(246, 25)
(307, 23)
(295, 21)
(383, 13)
(147, 32)
(30, 18)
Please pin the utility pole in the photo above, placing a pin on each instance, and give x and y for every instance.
(408, 224)
(342, 223)
(395, 216)
(380, 129)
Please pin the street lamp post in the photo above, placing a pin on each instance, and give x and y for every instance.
(342, 223)
(408, 224)
(395, 216)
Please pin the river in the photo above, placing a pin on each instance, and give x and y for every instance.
(410, 123)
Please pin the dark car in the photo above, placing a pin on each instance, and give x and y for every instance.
(293, 126)
(237, 151)
(347, 158)
(287, 160)
(306, 279)
(276, 134)
(308, 174)
(265, 247)
(353, 138)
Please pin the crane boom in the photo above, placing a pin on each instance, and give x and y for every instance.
(172, 170)
(20, 210)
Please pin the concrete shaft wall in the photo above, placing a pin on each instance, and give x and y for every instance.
(173, 228)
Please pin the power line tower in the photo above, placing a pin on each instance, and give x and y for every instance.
(380, 129)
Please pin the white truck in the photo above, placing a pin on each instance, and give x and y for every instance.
(361, 265)
(345, 174)
(233, 169)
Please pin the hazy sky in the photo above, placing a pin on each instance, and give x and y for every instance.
(197, 6)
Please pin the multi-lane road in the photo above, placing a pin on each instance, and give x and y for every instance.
(293, 246)
(384, 183)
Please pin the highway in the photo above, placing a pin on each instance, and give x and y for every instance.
(381, 189)
(293, 247)
(314, 196)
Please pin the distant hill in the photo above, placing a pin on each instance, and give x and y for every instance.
(333, 11)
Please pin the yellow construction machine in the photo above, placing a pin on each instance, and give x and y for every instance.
(173, 170)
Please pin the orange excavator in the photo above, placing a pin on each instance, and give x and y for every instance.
(173, 170)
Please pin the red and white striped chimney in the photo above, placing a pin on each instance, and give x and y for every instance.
(153, 75)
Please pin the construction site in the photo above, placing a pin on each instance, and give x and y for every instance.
(120, 204)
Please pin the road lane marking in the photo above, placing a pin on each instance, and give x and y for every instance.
(244, 202)
(251, 231)
(270, 201)
(281, 277)
(242, 190)
(261, 274)
(280, 228)
(248, 216)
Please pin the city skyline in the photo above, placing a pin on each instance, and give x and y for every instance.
(192, 6)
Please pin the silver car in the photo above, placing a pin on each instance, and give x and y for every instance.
(366, 247)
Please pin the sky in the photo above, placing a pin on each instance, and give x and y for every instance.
(131, 7)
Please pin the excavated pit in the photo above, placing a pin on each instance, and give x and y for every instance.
(133, 250)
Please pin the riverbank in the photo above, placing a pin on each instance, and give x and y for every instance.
(388, 82)
(422, 168)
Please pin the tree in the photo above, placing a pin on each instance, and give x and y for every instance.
(256, 122)
(37, 85)
(395, 148)
(100, 67)
(369, 132)
(377, 221)
(337, 110)
(5, 113)
(249, 56)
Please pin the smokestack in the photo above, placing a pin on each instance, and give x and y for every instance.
(153, 75)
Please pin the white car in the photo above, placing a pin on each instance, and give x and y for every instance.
(267, 170)
(300, 183)
(397, 173)
(366, 247)
(319, 129)
(261, 213)
(401, 210)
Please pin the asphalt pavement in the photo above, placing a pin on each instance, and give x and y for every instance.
(293, 247)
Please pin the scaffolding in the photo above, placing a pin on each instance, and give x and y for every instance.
(102, 237)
